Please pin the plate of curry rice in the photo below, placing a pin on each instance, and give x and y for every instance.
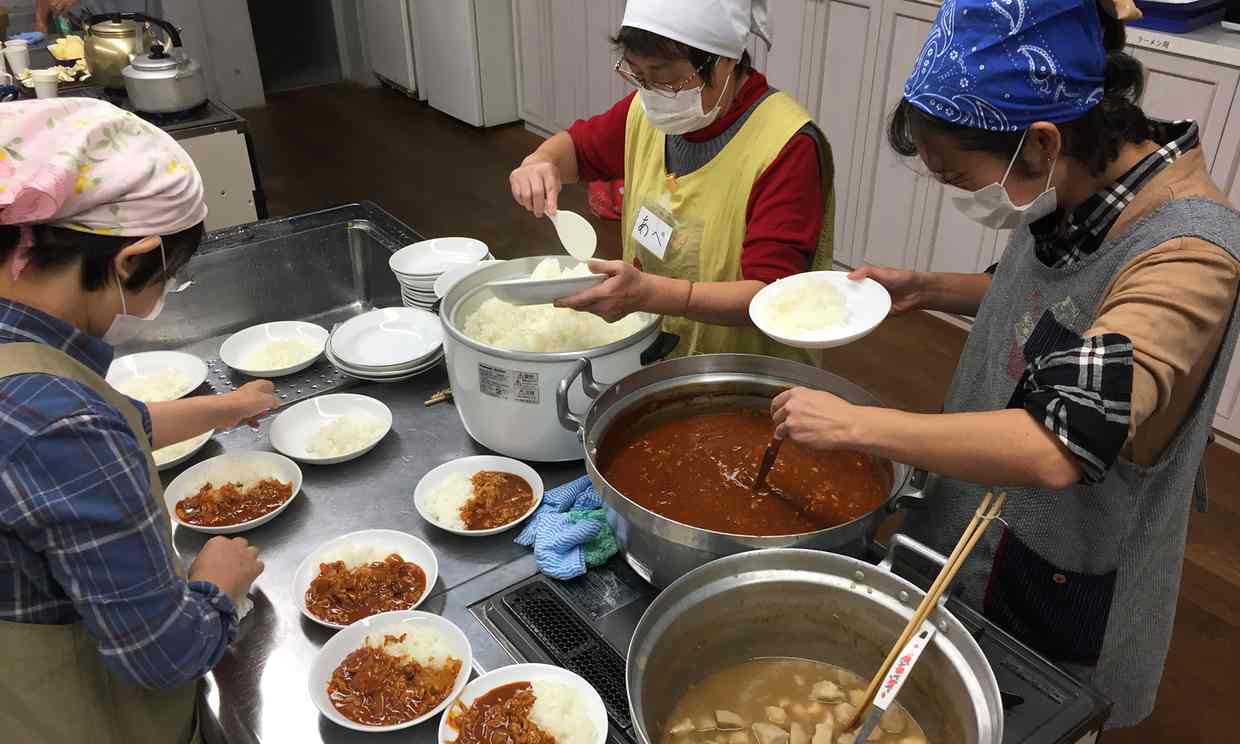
(233, 492)
(478, 496)
(536, 703)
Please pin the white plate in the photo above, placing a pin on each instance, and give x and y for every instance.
(252, 340)
(153, 362)
(393, 337)
(199, 441)
(350, 639)
(469, 466)
(867, 301)
(434, 257)
(410, 548)
(448, 280)
(233, 466)
(588, 697)
(294, 429)
(385, 373)
(543, 291)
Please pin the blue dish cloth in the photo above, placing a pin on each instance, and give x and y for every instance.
(569, 531)
(30, 37)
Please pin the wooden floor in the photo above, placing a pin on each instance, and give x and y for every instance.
(326, 146)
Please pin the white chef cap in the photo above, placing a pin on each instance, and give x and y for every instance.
(717, 26)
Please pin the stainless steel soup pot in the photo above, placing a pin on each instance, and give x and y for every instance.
(662, 550)
(812, 605)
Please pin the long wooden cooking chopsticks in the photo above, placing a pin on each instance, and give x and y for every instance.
(986, 512)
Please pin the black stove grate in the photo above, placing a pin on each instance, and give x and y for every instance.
(572, 644)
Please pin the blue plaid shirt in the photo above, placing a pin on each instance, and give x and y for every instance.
(80, 537)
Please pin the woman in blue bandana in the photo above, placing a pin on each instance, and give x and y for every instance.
(1101, 343)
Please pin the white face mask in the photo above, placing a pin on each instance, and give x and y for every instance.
(992, 207)
(126, 327)
(683, 113)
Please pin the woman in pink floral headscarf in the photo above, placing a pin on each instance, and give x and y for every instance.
(104, 637)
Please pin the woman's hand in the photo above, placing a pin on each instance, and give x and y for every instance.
(230, 563)
(905, 287)
(247, 402)
(623, 293)
(814, 419)
(536, 185)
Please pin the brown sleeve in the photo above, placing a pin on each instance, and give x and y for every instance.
(1174, 303)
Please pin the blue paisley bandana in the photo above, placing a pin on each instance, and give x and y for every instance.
(1002, 65)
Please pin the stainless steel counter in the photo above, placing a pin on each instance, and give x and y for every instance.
(325, 267)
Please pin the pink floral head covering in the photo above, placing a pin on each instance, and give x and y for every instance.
(86, 165)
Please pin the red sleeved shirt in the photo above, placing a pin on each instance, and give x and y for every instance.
(784, 214)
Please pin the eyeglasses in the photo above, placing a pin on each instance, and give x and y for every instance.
(667, 90)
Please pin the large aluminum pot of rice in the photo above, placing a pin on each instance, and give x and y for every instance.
(505, 362)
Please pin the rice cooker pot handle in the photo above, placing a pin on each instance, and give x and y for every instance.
(663, 345)
(585, 370)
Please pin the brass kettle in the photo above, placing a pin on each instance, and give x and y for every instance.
(112, 42)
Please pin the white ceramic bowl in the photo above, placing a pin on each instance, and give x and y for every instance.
(245, 466)
(588, 697)
(294, 429)
(469, 466)
(199, 441)
(388, 339)
(350, 639)
(430, 258)
(867, 301)
(148, 363)
(543, 291)
(239, 346)
(411, 548)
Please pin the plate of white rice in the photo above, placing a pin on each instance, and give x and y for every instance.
(274, 349)
(157, 376)
(362, 548)
(819, 309)
(442, 492)
(429, 640)
(565, 705)
(169, 457)
(331, 429)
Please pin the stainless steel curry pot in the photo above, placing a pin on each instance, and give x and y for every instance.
(811, 605)
(662, 550)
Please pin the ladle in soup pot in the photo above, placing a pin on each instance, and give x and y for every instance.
(768, 462)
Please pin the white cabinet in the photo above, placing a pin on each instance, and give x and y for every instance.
(1183, 88)
(531, 20)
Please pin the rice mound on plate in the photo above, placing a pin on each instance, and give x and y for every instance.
(281, 354)
(344, 435)
(424, 645)
(164, 385)
(357, 554)
(807, 307)
(560, 711)
(546, 328)
(443, 503)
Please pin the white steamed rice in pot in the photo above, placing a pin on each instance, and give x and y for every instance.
(546, 328)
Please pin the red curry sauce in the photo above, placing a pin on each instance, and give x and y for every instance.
(699, 470)
(501, 716)
(344, 595)
(374, 688)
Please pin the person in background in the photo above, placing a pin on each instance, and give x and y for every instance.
(103, 638)
(1088, 385)
(728, 183)
(45, 10)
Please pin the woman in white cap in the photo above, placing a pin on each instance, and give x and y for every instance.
(103, 637)
(728, 183)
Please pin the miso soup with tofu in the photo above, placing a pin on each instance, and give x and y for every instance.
(781, 701)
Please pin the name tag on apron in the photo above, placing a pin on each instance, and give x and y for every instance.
(652, 233)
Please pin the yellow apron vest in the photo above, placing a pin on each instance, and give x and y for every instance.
(54, 687)
(706, 210)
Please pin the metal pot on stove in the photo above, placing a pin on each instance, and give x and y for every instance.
(661, 549)
(165, 80)
(112, 41)
(809, 605)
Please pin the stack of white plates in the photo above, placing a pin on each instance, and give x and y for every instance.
(419, 265)
(387, 345)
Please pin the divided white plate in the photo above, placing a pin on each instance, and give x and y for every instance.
(350, 639)
(410, 548)
(199, 442)
(295, 428)
(237, 349)
(387, 339)
(587, 696)
(469, 466)
(434, 257)
(233, 466)
(867, 301)
(149, 363)
(543, 291)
